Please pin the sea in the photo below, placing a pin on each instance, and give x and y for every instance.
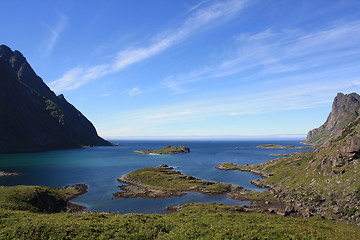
(99, 168)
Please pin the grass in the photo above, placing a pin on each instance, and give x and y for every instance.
(259, 195)
(168, 179)
(306, 178)
(19, 220)
(195, 221)
(35, 198)
(277, 146)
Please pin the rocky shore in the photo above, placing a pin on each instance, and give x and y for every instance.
(8, 174)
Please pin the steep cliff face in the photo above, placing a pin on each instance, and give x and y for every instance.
(345, 109)
(33, 118)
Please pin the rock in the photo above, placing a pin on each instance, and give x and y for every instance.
(33, 118)
(8, 174)
(165, 167)
(345, 109)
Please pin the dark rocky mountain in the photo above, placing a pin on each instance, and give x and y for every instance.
(33, 118)
(345, 109)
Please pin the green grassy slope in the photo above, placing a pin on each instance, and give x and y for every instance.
(21, 219)
(198, 221)
(324, 181)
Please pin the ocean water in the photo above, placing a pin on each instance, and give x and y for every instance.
(99, 168)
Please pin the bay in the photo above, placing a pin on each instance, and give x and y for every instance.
(99, 168)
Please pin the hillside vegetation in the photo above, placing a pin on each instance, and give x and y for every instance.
(195, 221)
(323, 181)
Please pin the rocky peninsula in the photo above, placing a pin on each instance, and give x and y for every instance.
(278, 146)
(164, 181)
(165, 150)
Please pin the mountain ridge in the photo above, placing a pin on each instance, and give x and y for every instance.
(33, 117)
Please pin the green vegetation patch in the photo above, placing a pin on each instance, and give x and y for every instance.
(166, 150)
(37, 198)
(170, 179)
(277, 146)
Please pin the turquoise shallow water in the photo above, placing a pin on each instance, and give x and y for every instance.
(100, 167)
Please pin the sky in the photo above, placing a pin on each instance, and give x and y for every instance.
(192, 68)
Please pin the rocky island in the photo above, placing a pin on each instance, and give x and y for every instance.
(164, 181)
(33, 118)
(8, 174)
(165, 150)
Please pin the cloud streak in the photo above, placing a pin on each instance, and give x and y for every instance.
(270, 53)
(134, 92)
(200, 19)
(55, 32)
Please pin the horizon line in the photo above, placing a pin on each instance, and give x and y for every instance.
(215, 137)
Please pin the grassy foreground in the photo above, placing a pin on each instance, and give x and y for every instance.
(196, 221)
(19, 219)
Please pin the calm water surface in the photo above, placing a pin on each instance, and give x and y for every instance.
(100, 167)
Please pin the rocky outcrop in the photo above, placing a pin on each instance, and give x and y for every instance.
(345, 109)
(33, 118)
(8, 174)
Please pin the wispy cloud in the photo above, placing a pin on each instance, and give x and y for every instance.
(201, 18)
(55, 31)
(198, 5)
(200, 112)
(134, 91)
(271, 53)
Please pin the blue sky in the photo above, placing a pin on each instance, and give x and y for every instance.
(200, 68)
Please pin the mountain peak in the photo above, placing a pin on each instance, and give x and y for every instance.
(345, 109)
(33, 118)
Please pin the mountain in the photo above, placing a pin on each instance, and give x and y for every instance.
(345, 109)
(33, 118)
(324, 181)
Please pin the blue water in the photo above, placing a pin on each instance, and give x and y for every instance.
(100, 167)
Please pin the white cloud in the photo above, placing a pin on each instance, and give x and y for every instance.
(202, 18)
(135, 91)
(77, 77)
(269, 53)
(55, 32)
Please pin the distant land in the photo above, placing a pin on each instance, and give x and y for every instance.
(165, 150)
(33, 118)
